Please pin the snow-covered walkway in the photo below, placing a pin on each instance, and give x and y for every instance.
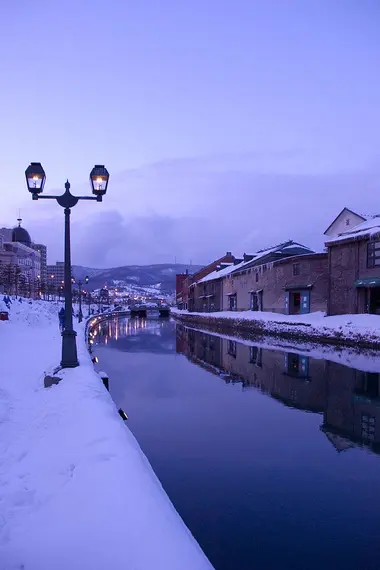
(76, 490)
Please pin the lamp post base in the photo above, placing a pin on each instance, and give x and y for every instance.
(69, 350)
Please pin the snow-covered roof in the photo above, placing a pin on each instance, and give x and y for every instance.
(218, 274)
(368, 228)
(260, 254)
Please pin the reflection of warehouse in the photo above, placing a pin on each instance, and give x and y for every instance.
(349, 399)
(352, 409)
(294, 379)
(200, 347)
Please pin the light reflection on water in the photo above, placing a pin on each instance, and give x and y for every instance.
(270, 455)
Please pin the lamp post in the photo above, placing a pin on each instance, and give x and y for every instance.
(61, 288)
(52, 276)
(89, 303)
(80, 284)
(35, 179)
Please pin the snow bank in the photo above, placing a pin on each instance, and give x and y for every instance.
(363, 328)
(76, 490)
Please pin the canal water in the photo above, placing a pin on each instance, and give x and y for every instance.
(271, 457)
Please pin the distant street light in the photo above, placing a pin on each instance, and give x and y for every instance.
(89, 302)
(35, 179)
(80, 284)
(52, 286)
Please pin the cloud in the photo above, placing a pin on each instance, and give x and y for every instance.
(107, 239)
(196, 209)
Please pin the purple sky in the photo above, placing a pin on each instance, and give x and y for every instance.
(225, 125)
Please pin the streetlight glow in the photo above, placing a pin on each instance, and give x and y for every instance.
(99, 177)
(35, 178)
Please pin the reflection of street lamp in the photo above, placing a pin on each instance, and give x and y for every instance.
(35, 178)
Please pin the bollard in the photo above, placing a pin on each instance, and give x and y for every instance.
(123, 414)
(105, 379)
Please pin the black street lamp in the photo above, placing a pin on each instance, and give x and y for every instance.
(89, 303)
(80, 284)
(52, 277)
(35, 179)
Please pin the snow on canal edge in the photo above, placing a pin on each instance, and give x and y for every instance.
(76, 491)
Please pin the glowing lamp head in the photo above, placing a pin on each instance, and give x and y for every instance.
(99, 177)
(35, 178)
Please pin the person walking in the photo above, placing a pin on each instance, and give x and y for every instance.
(61, 316)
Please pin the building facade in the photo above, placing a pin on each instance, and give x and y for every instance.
(289, 278)
(42, 250)
(293, 285)
(188, 294)
(55, 275)
(208, 292)
(180, 296)
(354, 270)
(345, 221)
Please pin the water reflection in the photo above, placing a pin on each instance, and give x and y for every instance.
(245, 436)
(135, 335)
(349, 399)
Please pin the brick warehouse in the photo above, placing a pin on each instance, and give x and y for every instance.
(354, 270)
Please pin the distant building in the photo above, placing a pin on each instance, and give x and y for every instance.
(55, 274)
(181, 299)
(6, 234)
(192, 301)
(42, 250)
(21, 264)
(7, 258)
(208, 291)
(184, 292)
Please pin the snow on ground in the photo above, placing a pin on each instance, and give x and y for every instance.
(316, 324)
(76, 491)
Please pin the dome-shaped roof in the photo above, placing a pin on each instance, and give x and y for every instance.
(20, 235)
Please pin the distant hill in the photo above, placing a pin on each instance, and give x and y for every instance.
(159, 276)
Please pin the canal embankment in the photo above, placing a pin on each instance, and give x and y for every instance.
(359, 331)
(74, 483)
